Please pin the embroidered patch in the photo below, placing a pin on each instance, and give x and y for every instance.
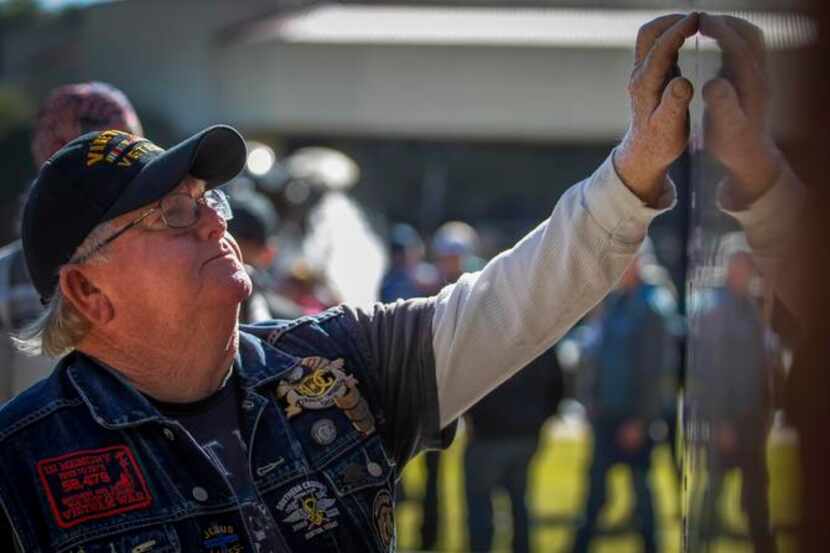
(320, 384)
(118, 146)
(91, 484)
(323, 431)
(315, 389)
(309, 509)
(384, 517)
(221, 538)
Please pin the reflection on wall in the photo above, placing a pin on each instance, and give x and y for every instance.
(740, 478)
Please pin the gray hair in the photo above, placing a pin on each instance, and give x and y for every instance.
(60, 327)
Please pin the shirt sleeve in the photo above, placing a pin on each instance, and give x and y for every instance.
(492, 323)
(398, 339)
(772, 226)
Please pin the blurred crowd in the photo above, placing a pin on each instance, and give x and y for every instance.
(621, 373)
(621, 376)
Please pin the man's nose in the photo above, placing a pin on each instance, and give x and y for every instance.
(211, 225)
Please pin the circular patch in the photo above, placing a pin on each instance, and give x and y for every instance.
(323, 431)
(200, 494)
(384, 516)
(374, 469)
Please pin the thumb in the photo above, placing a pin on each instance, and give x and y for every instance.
(732, 138)
(672, 112)
(723, 109)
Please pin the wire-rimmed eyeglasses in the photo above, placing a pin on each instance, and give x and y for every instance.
(179, 210)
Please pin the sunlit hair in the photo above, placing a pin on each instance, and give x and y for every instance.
(60, 327)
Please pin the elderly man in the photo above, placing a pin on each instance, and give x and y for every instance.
(167, 427)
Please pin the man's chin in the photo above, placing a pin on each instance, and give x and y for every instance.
(243, 285)
(233, 288)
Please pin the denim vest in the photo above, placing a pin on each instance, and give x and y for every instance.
(89, 465)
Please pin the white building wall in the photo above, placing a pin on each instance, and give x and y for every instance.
(172, 59)
(434, 91)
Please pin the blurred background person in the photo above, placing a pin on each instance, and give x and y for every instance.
(67, 112)
(339, 245)
(406, 255)
(740, 355)
(293, 284)
(627, 357)
(307, 288)
(503, 435)
(454, 251)
(401, 281)
(254, 224)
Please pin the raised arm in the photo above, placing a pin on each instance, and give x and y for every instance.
(490, 324)
(761, 191)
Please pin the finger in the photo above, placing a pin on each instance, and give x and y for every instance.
(730, 40)
(650, 32)
(672, 112)
(753, 83)
(720, 97)
(725, 117)
(664, 51)
(740, 64)
(752, 36)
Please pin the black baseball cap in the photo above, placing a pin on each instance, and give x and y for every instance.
(104, 174)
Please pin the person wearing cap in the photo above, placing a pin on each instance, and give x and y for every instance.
(253, 226)
(625, 382)
(67, 112)
(454, 246)
(168, 426)
(336, 228)
(406, 253)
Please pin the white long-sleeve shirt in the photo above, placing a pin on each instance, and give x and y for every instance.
(772, 225)
(492, 323)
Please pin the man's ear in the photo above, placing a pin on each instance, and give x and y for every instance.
(80, 290)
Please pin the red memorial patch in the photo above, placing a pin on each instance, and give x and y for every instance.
(91, 484)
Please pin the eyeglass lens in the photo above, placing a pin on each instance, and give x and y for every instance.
(182, 210)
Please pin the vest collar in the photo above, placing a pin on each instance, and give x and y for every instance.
(115, 403)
